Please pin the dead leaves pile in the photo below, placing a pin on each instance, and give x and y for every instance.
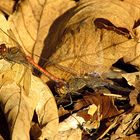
(78, 42)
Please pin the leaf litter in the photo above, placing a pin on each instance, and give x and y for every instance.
(89, 38)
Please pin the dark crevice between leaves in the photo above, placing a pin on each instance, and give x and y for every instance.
(123, 104)
(137, 23)
(121, 82)
(5, 14)
(138, 98)
(35, 130)
(4, 129)
(16, 5)
(35, 118)
(125, 66)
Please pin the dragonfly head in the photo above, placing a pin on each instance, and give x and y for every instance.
(3, 50)
(62, 89)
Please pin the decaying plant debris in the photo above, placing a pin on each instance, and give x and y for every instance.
(93, 45)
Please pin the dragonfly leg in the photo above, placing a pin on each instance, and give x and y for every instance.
(71, 102)
(12, 64)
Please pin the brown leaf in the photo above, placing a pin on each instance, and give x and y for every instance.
(62, 111)
(133, 56)
(82, 46)
(131, 78)
(45, 107)
(107, 108)
(131, 137)
(35, 98)
(31, 16)
(69, 135)
(134, 95)
(35, 19)
(89, 37)
(1, 138)
(127, 126)
(16, 110)
(136, 108)
(7, 6)
(35, 131)
(19, 105)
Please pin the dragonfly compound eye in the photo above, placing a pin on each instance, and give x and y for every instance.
(2, 49)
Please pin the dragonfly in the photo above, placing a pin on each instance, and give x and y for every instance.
(17, 55)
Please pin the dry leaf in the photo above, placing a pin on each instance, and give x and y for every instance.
(32, 95)
(134, 96)
(131, 78)
(99, 108)
(35, 19)
(107, 108)
(46, 110)
(126, 127)
(7, 6)
(31, 33)
(83, 46)
(1, 138)
(132, 137)
(39, 99)
(68, 129)
(89, 37)
(62, 111)
(133, 56)
(16, 110)
(69, 135)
